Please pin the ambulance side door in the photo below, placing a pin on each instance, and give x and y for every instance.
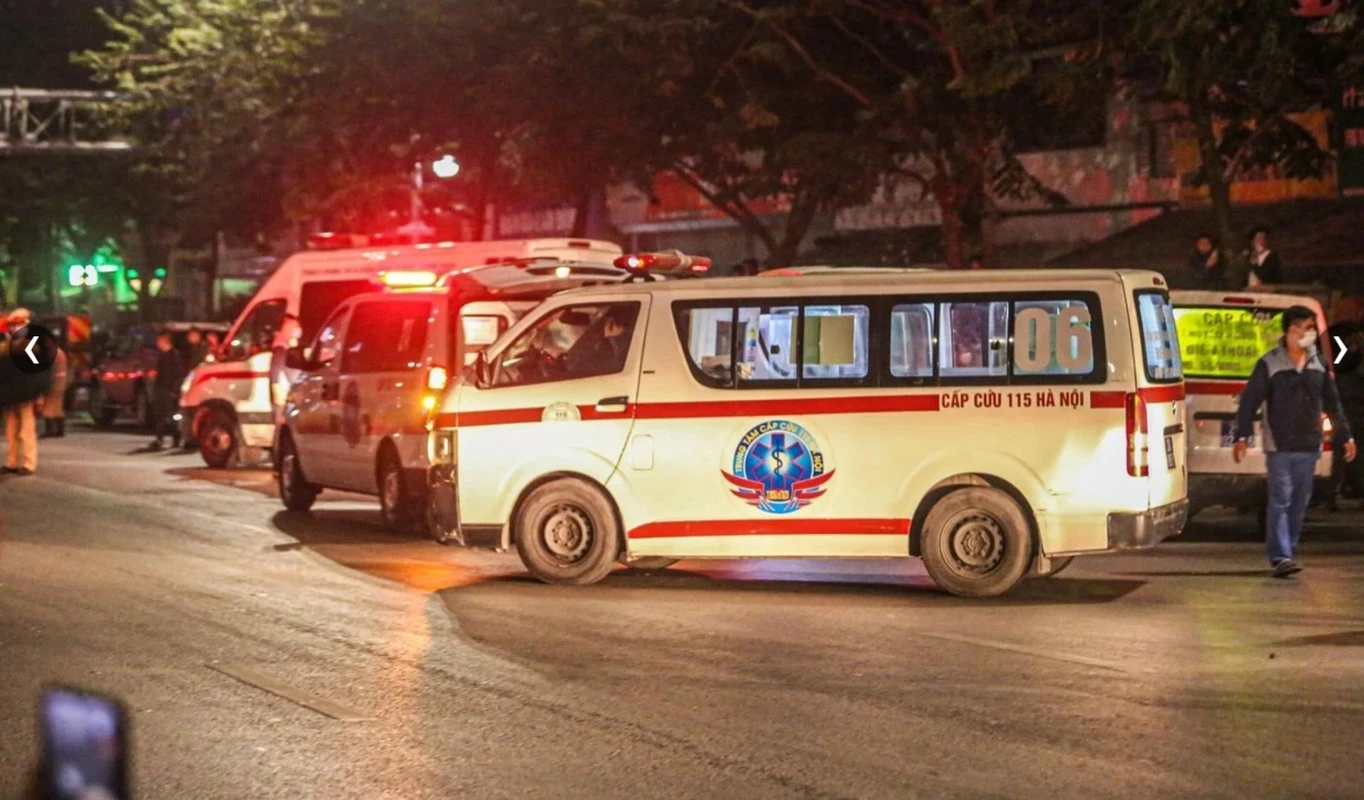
(314, 399)
(558, 398)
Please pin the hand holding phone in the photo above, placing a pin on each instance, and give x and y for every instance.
(84, 740)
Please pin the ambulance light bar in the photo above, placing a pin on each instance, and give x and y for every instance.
(665, 260)
(395, 279)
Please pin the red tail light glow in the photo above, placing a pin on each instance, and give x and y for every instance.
(1137, 447)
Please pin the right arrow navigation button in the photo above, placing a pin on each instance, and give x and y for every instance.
(1348, 342)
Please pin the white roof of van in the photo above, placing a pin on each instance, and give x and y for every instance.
(855, 279)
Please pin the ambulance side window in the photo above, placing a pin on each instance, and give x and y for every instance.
(579, 341)
(767, 343)
(911, 340)
(974, 340)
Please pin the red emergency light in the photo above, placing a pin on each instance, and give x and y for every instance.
(665, 260)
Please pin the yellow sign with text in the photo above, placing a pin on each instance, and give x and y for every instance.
(1225, 342)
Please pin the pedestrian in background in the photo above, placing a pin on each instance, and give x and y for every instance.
(1351, 387)
(21, 425)
(54, 402)
(1292, 382)
(170, 372)
(976, 262)
(196, 349)
(286, 339)
(1265, 266)
(1205, 265)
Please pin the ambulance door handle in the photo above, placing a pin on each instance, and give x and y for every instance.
(613, 405)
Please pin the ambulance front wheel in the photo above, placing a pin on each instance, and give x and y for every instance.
(976, 542)
(566, 533)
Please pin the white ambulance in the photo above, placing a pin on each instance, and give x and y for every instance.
(1222, 335)
(225, 404)
(991, 423)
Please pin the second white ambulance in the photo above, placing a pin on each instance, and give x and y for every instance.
(992, 423)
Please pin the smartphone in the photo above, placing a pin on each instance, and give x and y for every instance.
(84, 739)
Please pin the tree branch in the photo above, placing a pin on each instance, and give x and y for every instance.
(804, 55)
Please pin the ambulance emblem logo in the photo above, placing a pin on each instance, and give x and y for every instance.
(778, 467)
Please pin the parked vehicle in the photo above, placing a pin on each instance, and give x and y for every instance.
(226, 404)
(996, 424)
(1223, 335)
(123, 381)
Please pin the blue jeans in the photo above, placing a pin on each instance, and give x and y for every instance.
(1290, 489)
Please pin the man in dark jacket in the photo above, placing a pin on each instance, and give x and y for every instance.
(1205, 265)
(170, 372)
(1292, 383)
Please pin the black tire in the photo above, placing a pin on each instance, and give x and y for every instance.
(566, 533)
(143, 408)
(1058, 564)
(977, 542)
(294, 489)
(219, 442)
(101, 412)
(396, 509)
(651, 563)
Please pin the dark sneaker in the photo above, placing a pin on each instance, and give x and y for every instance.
(10, 470)
(154, 446)
(23, 471)
(1285, 568)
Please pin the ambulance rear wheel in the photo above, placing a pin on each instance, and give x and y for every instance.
(976, 542)
(218, 442)
(294, 490)
(395, 507)
(566, 533)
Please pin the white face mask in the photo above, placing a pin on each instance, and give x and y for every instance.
(1307, 339)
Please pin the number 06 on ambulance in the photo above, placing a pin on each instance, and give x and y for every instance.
(993, 424)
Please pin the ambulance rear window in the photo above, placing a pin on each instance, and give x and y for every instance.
(1159, 337)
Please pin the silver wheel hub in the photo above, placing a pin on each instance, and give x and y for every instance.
(567, 534)
(219, 439)
(976, 545)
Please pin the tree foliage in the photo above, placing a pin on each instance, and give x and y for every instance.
(1241, 69)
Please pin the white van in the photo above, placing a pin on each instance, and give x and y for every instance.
(991, 423)
(356, 418)
(225, 403)
(1222, 335)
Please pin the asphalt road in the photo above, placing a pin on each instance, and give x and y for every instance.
(266, 654)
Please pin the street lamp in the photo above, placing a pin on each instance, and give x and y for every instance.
(444, 168)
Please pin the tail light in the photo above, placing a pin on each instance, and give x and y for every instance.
(1137, 449)
(1327, 432)
(437, 378)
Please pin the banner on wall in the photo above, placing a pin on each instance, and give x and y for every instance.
(1261, 184)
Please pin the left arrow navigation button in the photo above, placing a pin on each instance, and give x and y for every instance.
(32, 349)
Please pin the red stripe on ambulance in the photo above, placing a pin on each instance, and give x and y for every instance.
(771, 527)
